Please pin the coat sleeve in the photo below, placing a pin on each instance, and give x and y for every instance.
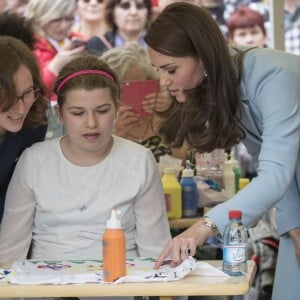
(271, 84)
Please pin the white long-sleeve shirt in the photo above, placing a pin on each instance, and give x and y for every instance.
(63, 208)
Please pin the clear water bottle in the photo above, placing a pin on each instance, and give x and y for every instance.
(235, 244)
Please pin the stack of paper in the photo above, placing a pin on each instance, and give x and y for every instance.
(83, 271)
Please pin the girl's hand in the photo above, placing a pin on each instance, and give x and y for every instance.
(63, 57)
(126, 119)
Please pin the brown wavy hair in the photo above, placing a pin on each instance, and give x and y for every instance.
(207, 120)
(14, 54)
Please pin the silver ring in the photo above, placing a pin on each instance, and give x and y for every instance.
(186, 251)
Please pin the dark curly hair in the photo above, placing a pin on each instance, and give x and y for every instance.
(12, 24)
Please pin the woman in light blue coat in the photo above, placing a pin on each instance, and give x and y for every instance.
(223, 96)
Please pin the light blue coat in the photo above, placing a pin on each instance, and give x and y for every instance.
(270, 117)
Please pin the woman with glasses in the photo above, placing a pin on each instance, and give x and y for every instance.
(22, 107)
(53, 21)
(128, 20)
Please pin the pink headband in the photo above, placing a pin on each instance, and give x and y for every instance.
(78, 73)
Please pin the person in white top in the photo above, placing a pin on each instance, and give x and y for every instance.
(63, 190)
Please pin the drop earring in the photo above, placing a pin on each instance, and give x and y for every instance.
(205, 73)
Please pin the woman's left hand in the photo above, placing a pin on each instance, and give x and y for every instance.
(295, 235)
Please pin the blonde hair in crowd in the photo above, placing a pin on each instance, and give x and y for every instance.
(43, 11)
(122, 59)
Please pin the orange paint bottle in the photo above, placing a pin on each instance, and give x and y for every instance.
(114, 249)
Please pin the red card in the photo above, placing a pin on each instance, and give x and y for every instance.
(134, 92)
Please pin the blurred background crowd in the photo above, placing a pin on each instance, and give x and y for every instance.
(105, 24)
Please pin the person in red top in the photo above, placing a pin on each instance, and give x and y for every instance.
(53, 21)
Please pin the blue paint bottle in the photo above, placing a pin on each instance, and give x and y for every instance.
(189, 192)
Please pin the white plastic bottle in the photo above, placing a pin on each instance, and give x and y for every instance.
(228, 179)
(234, 245)
(114, 249)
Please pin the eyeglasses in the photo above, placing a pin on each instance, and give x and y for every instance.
(68, 19)
(29, 95)
(88, 1)
(127, 4)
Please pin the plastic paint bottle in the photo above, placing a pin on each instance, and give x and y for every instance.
(114, 249)
(236, 170)
(228, 179)
(243, 182)
(172, 190)
(189, 190)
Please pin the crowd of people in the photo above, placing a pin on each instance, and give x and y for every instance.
(63, 122)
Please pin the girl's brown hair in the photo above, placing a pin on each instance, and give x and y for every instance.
(86, 81)
(14, 54)
(207, 120)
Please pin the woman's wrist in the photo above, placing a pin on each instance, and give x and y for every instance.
(206, 221)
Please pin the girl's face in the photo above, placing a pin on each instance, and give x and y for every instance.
(89, 118)
(249, 36)
(177, 73)
(59, 29)
(130, 16)
(13, 119)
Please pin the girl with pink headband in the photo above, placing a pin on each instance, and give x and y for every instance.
(63, 190)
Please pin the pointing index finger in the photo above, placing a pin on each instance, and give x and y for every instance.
(163, 255)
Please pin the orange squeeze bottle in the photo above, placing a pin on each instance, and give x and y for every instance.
(114, 249)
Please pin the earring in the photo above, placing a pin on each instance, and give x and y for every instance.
(205, 73)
